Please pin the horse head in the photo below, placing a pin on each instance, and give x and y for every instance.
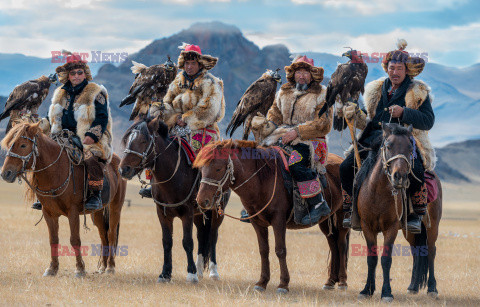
(397, 153)
(217, 169)
(22, 151)
(141, 141)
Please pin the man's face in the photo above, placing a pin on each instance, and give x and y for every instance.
(192, 67)
(303, 76)
(76, 76)
(396, 73)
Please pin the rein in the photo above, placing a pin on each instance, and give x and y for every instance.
(229, 176)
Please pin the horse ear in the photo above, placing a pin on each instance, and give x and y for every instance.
(387, 130)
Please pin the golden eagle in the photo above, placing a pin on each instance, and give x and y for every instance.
(151, 84)
(258, 97)
(347, 82)
(26, 98)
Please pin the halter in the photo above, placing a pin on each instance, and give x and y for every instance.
(25, 159)
(144, 155)
(386, 164)
(228, 176)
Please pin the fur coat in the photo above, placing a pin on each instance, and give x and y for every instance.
(84, 112)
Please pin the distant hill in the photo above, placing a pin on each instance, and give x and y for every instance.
(459, 161)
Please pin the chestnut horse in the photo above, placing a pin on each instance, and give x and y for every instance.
(257, 179)
(174, 188)
(383, 175)
(59, 184)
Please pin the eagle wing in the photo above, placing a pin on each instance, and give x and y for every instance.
(258, 97)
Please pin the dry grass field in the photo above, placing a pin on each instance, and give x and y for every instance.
(24, 255)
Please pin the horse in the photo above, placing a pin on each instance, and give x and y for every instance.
(383, 176)
(60, 186)
(174, 188)
(258, 181)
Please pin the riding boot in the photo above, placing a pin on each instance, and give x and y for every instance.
(317, 208)
(37, 205)
(419, 204)
(244, 215)
(95, 183)
(347, 210)
(146, 192)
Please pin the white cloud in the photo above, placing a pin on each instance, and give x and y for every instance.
(375, 7)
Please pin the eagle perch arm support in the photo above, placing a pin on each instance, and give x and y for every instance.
(319, 127)
(352, 112)
(99, 124)
(206, 111)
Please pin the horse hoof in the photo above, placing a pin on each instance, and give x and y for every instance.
(433, 294)
(49, 272)
(409, 291)
(213, 271)
(192, 278)
(163, 280)
(282, 291)
(199, 265)
(110, 271)
(387, 299)
(343, 287)
(328, 287)
(362, 296)
(80, 274)
(214, 276)
(101, 270)
(259, 289)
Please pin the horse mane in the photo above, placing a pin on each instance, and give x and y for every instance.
(371, 160)
(207, 155)
(16, 132)
(142, 125)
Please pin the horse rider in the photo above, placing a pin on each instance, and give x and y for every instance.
(81, 107)
(194, 102)
(401, 99)
(297, 105)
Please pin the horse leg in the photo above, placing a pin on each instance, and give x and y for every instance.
(279, 230)
(432, 236)
(187, 242)
(262, 237)
(167, 232)
(97, 219)
(52, 223)
(113, 227)
(334, 255)
(74, 221)
(342, 243)
(201, 236)
(372, 260)
(389, 239)
(216, 222)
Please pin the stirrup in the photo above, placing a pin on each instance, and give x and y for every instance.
(347, 220)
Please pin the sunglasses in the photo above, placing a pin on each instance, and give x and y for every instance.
(78, 72)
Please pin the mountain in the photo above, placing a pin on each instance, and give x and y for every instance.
(459, 162)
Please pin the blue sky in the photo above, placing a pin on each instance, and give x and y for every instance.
(448, 30)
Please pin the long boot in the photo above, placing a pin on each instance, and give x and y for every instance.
(147, 192)
(94, 201)
(95, 183)
(318, 208)
(419, 204)
(37, 205)
(347, 210)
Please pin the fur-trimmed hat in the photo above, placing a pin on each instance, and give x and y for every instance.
(306, 63)
(74, 61)
(193, 52)
(414, 65)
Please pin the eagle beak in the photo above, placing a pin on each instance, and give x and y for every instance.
(345, 54)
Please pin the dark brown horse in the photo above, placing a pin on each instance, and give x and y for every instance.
(383, 175)
(257, 179)
(59, 185)
(174, 188)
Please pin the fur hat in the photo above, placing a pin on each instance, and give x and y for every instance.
(193, 52)
(73, 62)
(306, 63)
(414, 65)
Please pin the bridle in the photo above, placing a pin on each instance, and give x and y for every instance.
(227, 176)
(26, 159)
(143, 155)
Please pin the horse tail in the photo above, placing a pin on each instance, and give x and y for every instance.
(421, 265)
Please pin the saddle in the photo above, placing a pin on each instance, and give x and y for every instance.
(300, 205)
